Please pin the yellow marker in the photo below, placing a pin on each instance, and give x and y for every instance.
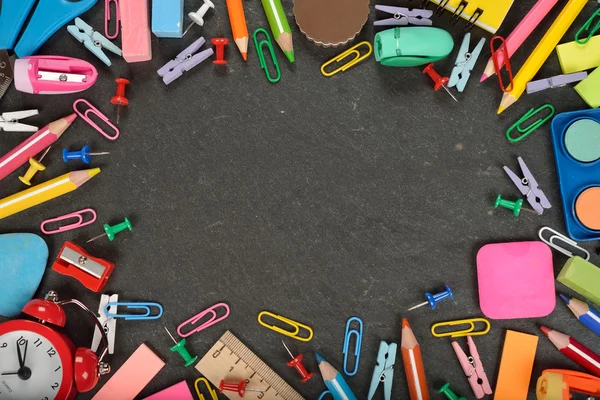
(213, 393)
(470, 331)
(541, 52)
(45, 191)
(351, 51)
(290, 333)
(34, 167)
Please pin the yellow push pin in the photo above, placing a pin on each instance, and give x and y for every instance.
(36, 165)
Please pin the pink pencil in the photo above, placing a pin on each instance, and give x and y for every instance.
(34, 145)
(520, 33)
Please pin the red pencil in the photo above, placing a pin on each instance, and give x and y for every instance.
(574, 350)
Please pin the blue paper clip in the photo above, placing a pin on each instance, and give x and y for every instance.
(134, 306)
(325, 393)
(349, 333)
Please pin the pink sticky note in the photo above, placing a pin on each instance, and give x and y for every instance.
(179, 391)
(516, 280)
(135, 30)
(132, 377)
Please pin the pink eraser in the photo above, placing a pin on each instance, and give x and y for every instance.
(516, 280)
(133, 376)
(179, 391)
(135, 30)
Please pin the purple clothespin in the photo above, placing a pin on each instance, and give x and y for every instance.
(404, 16)
(528, 187)
(555, 81)
(185, 61)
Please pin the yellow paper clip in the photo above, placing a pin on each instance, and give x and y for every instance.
(294, 334)
(470, 331)
(213, 393)
(352, 50)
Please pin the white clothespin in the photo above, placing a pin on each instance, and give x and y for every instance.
(9, 121)
(197, 17)
(465, 62)
(109, 324)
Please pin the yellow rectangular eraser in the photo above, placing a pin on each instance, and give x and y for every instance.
(589, 89)
(516, 366)
(575, 57)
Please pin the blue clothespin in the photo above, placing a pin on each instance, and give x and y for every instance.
(134, 306)
(83, 154)
(12, 16)
(465, 61)
(93, 40)
(384, 370)
(358, 341)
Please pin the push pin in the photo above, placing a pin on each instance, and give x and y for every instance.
(180, 348)
(439, 82)
(433, 299)
(240, 388)
(197, 17)
(445, 390)
(111, 231)
(296, 362)
(515, 206)
(219, 43)
(119, 98)
(34, 167)
(83, 154)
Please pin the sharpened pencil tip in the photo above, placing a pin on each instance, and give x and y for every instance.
(405, 323)
(319, 358)
(565, 298)
(483, 78)
(545, 329)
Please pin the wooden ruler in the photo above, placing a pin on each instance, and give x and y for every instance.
(231, 360)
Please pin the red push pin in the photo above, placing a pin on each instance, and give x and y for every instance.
(220, 43)
(240, 388)
(119, 98)
(296, 362)
(439, 82)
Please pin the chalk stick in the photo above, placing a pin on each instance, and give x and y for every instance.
(167, 18)
(135, 30)
(581, 276)
(516, 366)
(575, 57)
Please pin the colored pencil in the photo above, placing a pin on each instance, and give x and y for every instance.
(584, 313)
(45, 191)
(34, 145)
(541, 52)
(574, 350)
(239, 28)
(279, 26)
(334, 380)
(413, 364)
(520, 33)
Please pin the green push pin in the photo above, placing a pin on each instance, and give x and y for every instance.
(515, 206)
(180, 348)
(111, 231)
(445, 390)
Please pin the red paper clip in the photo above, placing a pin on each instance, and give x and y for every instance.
(79, 215)
(91, 271)
(213, 319)
(107, 18)
(502, 49)
(94, 111)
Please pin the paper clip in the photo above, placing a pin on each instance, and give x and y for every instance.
(93, 110)
(213, 319)
(524, 132)
(134, 306)
(497, 67)
(107, 18)
(261, 56)
(349, 333)
(323, 395)
(558, 236)
(213, 393)
(587, 28)
(79, 223)
(470, 331)
(294, 334)
(351, 51)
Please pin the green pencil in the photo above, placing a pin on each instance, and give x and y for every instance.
(279, 26)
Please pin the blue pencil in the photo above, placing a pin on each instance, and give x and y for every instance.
(334, 380)
(586, 314)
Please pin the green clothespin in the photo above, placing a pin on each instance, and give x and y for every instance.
(261, 56)
(183, 352)
(111, 231)
(524, 132)
(445, 390)
(587, 28)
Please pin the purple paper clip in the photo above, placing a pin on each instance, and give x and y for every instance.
(185, 61)
(94, 111)
(213, 319)
(107, 18)
(75, 225)
(555, 81)
(404, 16)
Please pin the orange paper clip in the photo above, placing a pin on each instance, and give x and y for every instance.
(78, 215)
(213, 319)
(497, 66)
(94, 111)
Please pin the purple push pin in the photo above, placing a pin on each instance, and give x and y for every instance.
(433, 299)
(185, 61)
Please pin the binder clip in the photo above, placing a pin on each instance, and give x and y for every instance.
(185, 61)
(109, 324)
(92, 40)
(403, 16)
(91, 271)
(384, 370)
(465, 62)
(473, 368)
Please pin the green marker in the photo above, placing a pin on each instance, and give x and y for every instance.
(111, 231)
(280, 27)
(445, 390)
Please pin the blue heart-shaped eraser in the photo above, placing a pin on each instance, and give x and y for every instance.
(23, 258)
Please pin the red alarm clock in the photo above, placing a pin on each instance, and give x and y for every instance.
(39, 362)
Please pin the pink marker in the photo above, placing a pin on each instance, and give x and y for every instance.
(135, 30)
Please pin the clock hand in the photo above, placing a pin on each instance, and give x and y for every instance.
(10, 373)
(21, 365)
(25, 353)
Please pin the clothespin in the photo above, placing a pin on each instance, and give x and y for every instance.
(185, 61)
(404, 16)
(473, 368)
(465, 62)
(528, 187)
(9, 121)
(93, 40)
(555, 82)
(384, 370)
(109, 324)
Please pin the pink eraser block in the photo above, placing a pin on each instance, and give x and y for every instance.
(135, 30)
(179, 391)
(516, 280)
(132, 377)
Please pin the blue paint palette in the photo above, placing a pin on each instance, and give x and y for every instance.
(576, 141)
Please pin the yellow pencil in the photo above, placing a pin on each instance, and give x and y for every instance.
(541, 52)
(45, 191)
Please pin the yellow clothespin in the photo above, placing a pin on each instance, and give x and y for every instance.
(351, 51)
(213, 393)
(470, 331)
(297, 326)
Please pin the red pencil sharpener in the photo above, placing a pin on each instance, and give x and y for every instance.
(92, 272)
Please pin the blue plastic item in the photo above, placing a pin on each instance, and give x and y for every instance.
(358, 333)
(48, 17)
(135, 306)
(83, 155)
(23, 258)
(433, 299)
(324, 394)
(13, 14)
(167, 18)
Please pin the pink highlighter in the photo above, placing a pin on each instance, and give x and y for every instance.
(53, 75)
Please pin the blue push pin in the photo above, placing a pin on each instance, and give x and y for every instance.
(432, 300)
(83, 154)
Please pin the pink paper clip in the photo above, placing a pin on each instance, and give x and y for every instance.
(94, 111)
(213, 319)
(79, 215)
(107, 18)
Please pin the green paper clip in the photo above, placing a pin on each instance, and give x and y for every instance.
(261, 56)
(524, 132)
(586, 28)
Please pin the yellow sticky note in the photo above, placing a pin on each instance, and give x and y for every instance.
(516, 366)
(589, 88)
(575, 57)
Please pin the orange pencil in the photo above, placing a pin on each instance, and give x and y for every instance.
(413, 364)
(239, 29)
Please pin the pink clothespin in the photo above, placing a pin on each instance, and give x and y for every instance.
(473, 368)
(213, 319)
(79, 221)
(107, 18)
